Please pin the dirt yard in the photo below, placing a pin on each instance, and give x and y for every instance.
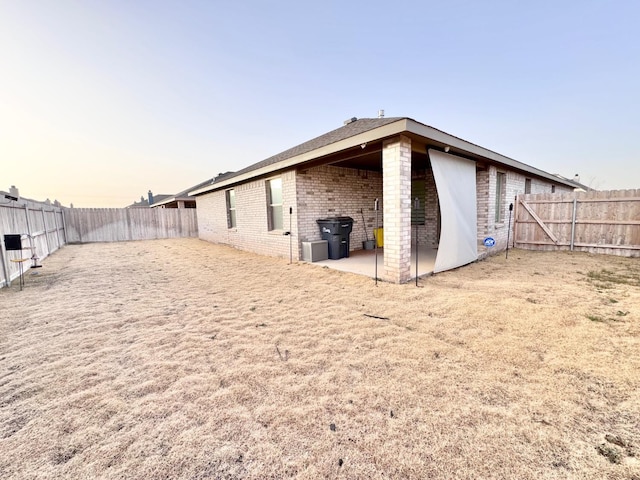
(185, 360)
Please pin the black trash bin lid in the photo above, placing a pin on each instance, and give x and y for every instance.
(335, 220)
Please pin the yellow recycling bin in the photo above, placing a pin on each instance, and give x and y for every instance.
(379, 234)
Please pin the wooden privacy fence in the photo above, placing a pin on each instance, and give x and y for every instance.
(41, 226)
(596, 222)
(122, 224)
(45, 228)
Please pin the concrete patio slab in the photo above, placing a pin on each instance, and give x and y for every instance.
(362, 262)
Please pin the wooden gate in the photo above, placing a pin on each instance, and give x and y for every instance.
(597, 222)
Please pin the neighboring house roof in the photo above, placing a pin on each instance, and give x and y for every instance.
(578, 185)
(182, 196)
(144, 202)
(360, 131)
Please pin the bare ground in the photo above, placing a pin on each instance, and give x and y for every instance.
(182, 359)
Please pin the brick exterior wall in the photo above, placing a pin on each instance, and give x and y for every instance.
(482, 200)
(251, 232)
(486, 193)
(429, 233)
(329, 191)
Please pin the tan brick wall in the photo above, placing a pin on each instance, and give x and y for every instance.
(482, 200)
(252, 232)
(428, 234)
(329, 191)
(486, 191)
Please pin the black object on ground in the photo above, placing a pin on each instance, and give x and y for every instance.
(336, 231)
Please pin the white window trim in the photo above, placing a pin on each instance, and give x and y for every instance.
(270, 222)
(227, 198)
(500, 197)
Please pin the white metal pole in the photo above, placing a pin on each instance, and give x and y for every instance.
(375, 242)
(5, 267)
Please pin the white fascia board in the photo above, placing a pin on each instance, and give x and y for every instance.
(401, 126)
(390, 129)
(172, 199)
(166, 200)
(447, 139)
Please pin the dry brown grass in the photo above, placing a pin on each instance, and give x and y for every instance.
(182, 359)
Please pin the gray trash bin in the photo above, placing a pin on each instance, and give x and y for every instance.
(336, 231)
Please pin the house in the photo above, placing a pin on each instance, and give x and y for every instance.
(449, 193)
(181, 199)
(149, 201)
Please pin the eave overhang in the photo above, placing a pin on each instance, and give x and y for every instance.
(416, 130)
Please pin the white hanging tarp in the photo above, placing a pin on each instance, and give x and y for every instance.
(456, 184)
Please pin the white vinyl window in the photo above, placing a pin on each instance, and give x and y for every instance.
(417, 192)
(231, 209)
(274, 190)
(501, 195)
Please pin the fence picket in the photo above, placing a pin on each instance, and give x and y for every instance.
(601, 222)
(82, 225)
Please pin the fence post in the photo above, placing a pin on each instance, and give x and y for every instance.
(26, 212)
(573, 222)
(55, 222)
(64, 227)
(46, 233)
(5, 268)
(129, 231)
(515, 221)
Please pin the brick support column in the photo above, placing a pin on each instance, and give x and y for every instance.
(396, 171)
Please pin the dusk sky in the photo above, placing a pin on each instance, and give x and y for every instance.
(101, 101)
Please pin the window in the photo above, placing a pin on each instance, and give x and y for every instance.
(275, 203)
(231, 209)
(527, 185)
(501, 194)
(553, 189)
(417, 191)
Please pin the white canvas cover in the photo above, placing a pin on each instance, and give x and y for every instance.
(456, 185)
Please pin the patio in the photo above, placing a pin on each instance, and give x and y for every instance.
(362, 262)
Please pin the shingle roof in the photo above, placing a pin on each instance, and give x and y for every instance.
(144, 202)
(363, 126)
(185, 193)
(349, 130)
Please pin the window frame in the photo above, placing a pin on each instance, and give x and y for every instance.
(418, 190)
(501, 195)
(272, 208)
(232, 214)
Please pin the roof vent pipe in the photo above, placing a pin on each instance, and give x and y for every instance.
(150, 197)
(350, 120)
(576, 178)
(380, 113)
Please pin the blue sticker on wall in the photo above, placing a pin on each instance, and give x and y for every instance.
(489, 242)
